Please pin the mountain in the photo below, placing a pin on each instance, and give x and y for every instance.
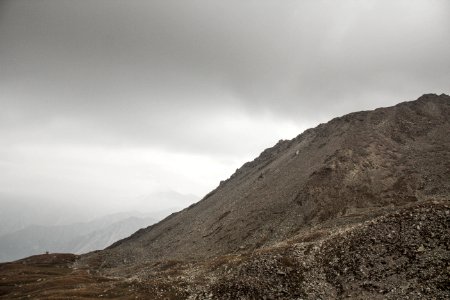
(20, 212)
(24, 233)
(76, 238)
(355, 208)
(386, 157)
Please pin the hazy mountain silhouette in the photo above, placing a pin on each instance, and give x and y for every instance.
(76, 238)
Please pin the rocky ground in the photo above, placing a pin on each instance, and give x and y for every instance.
(400, 253)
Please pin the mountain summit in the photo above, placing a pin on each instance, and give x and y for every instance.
(354, 208)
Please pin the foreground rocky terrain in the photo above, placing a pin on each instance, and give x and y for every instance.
(356, 208)
(380, 254)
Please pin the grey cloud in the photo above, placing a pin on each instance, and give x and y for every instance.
(103, 100)
(144, 70)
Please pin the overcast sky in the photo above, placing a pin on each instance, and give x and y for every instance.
(108, 102)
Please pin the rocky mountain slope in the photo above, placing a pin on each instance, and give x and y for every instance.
(355, 208)
(386, 157)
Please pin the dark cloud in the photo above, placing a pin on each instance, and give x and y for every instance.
(141, 64)
(216, 79)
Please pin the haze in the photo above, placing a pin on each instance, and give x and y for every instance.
(110, 106)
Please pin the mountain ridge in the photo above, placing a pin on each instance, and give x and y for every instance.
(357, 208)
(365, 159)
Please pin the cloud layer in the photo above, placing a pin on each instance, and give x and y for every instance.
(213, 82)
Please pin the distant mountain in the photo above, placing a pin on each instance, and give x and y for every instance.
(23, 232)
(75, 238)
(17, 213)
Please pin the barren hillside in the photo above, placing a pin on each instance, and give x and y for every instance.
(355, 208)
(386, 157)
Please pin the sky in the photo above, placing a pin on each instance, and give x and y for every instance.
(136, 105)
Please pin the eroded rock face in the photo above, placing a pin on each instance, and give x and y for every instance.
(389, 156)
